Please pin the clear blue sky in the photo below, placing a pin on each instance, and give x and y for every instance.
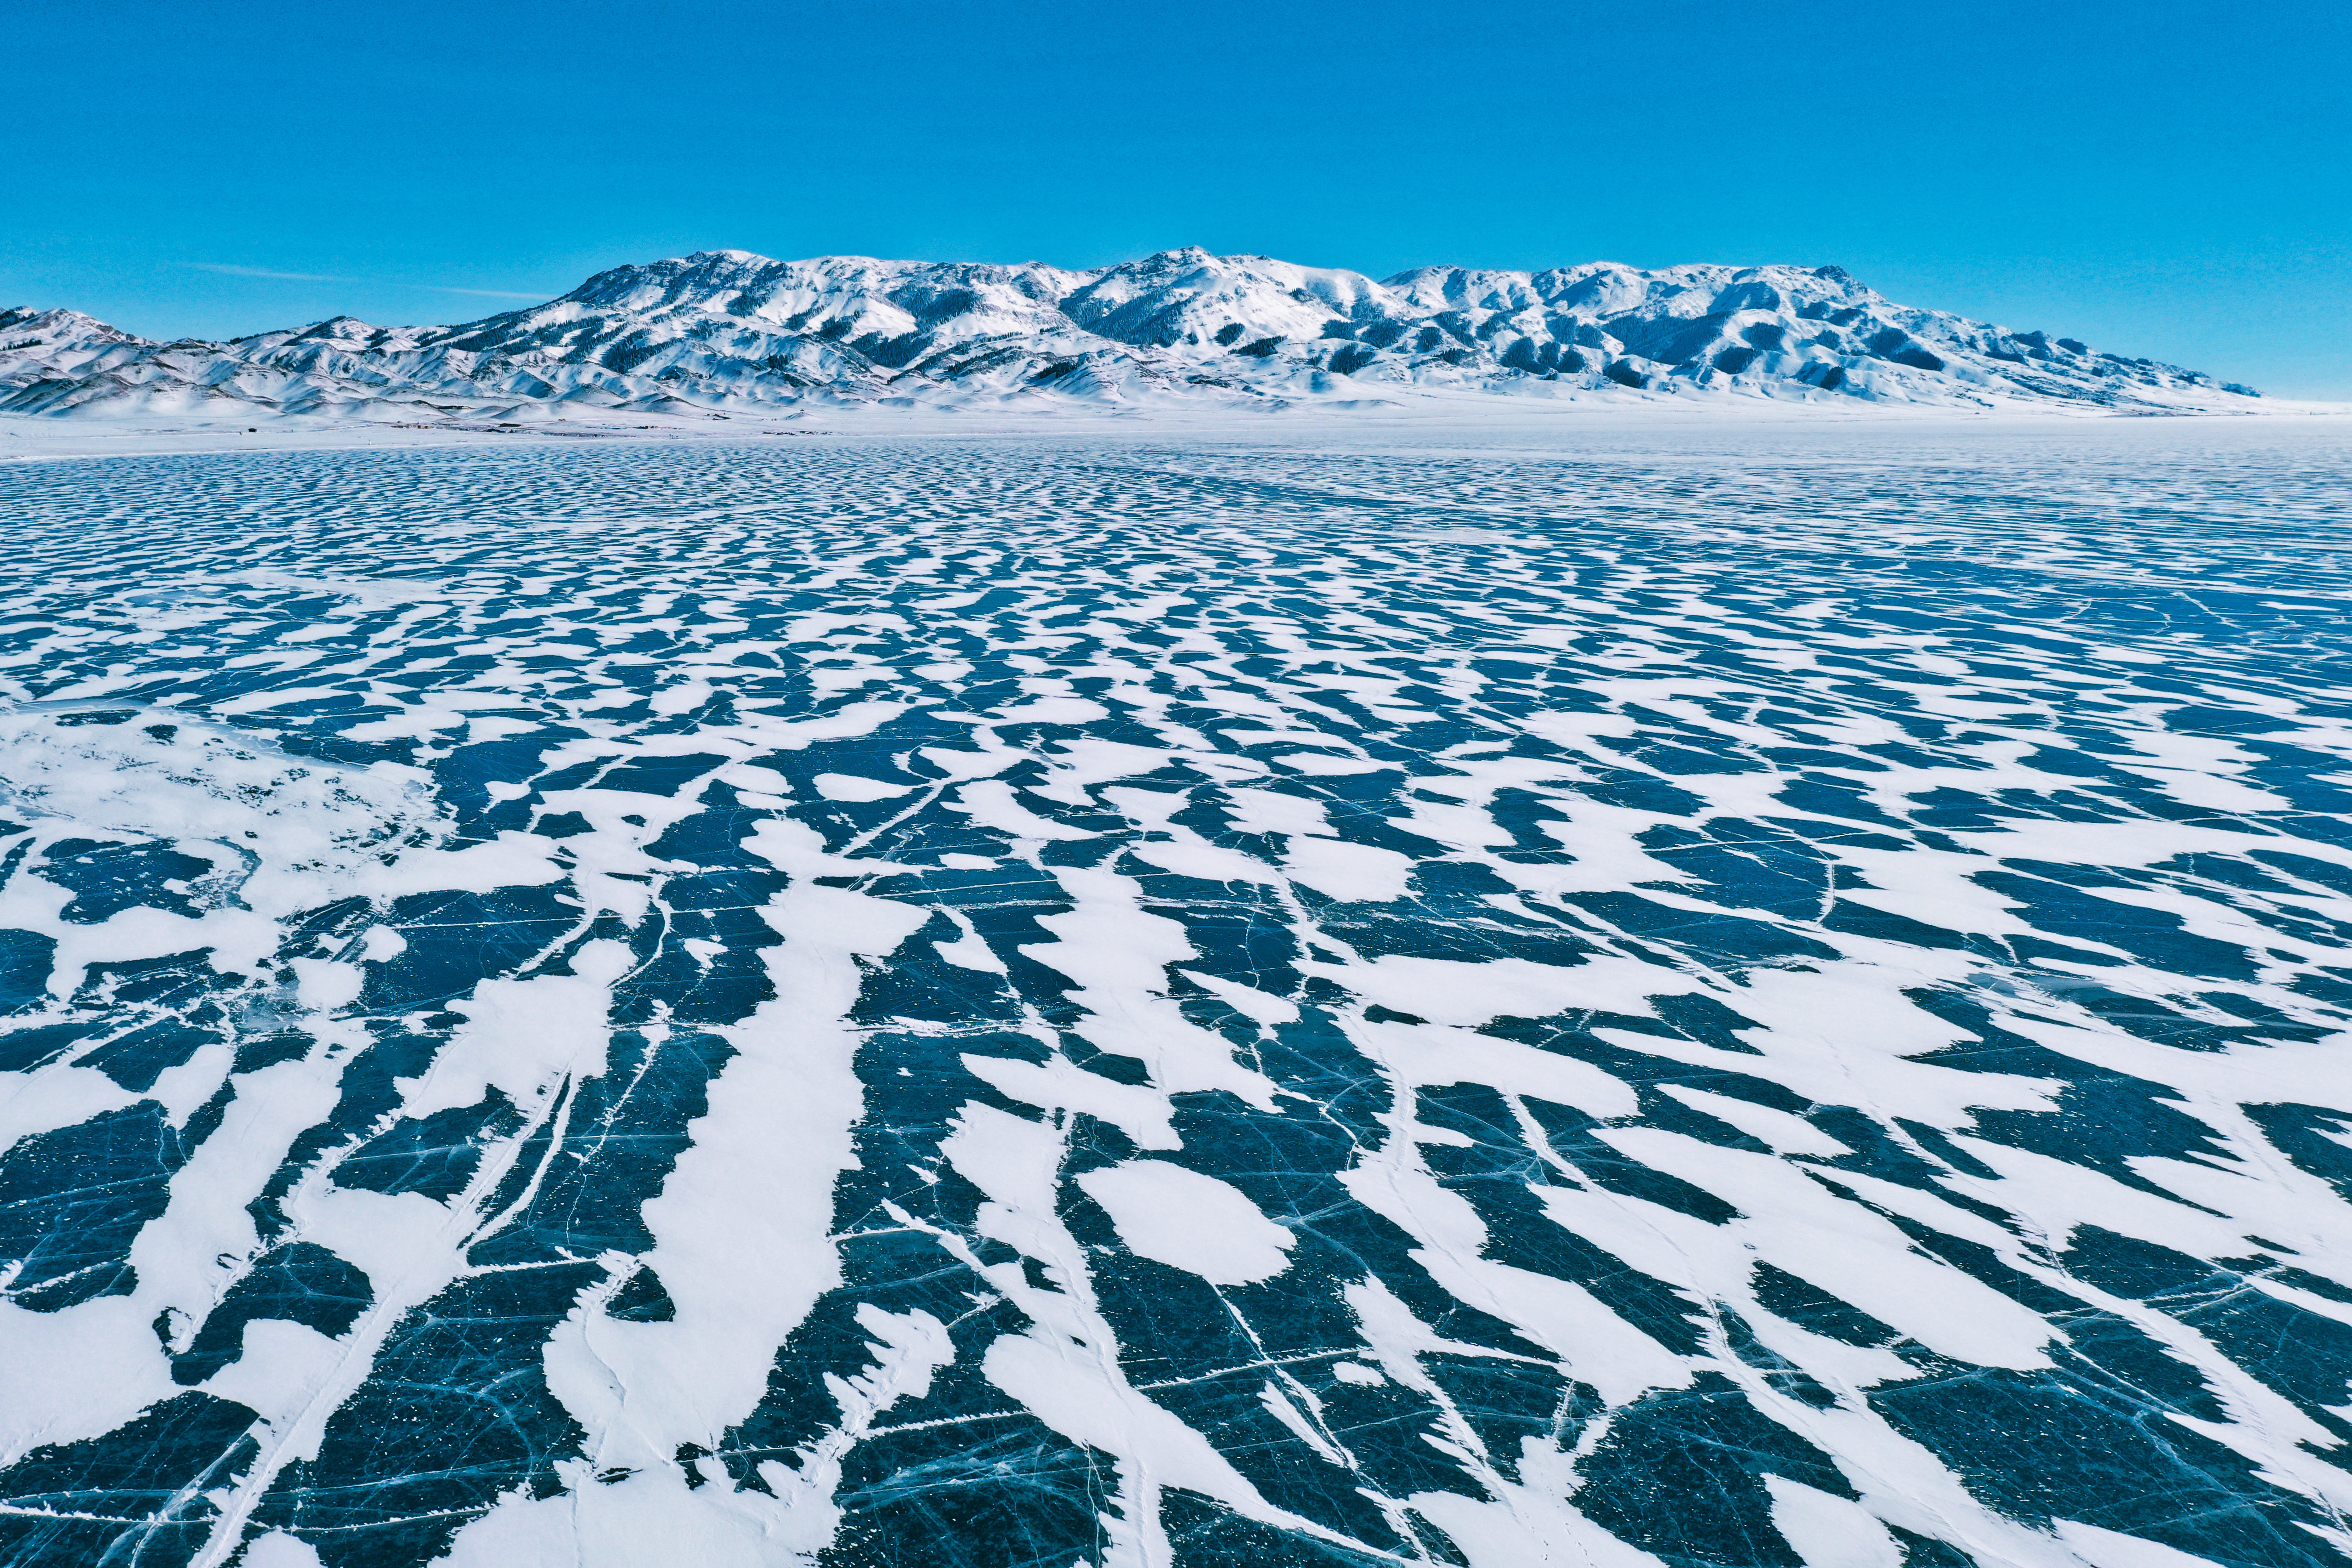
(2169, 177)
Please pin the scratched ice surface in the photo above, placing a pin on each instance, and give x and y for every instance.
(1039, 1004)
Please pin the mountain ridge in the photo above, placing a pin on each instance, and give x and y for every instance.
(732, 332)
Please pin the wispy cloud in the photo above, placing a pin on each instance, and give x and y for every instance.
(235, 271)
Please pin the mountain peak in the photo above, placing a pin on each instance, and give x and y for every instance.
(733, 330)
(25, 320)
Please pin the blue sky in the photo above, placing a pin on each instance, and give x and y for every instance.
(2170, 178)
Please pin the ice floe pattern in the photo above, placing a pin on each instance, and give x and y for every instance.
(1002, 1005)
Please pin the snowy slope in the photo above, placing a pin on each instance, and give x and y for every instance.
(729, 330)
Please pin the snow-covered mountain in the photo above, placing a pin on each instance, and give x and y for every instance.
(730, 331)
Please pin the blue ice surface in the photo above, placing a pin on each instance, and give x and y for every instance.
(1605, 906)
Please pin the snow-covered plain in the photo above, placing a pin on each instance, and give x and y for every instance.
(1697, 995)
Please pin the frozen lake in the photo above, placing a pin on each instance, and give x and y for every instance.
(1729, 997)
